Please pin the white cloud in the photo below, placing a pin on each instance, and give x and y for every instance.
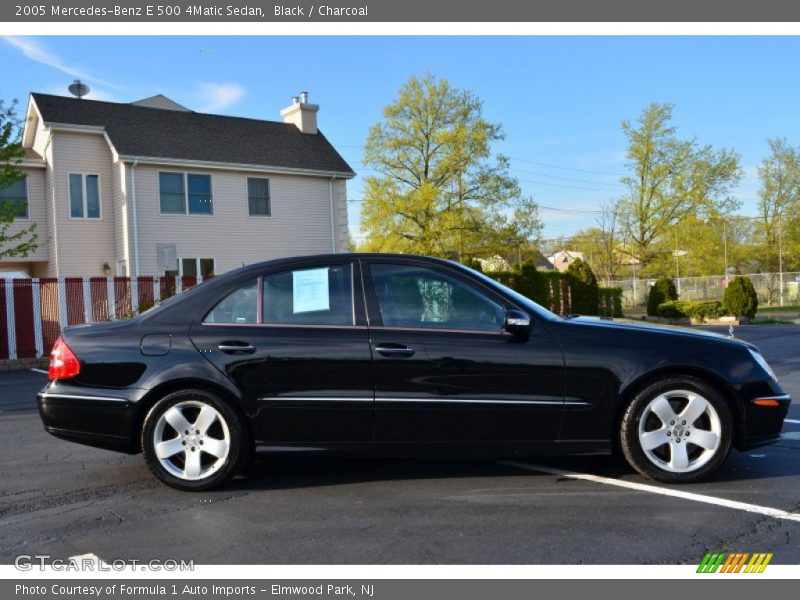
(37, 52)
(218, 96)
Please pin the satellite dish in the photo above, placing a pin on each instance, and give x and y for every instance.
(79, 89)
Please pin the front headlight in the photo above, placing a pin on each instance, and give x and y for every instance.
(762, 363)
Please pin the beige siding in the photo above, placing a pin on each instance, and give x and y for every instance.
(84, 245)
(340, 206)
(37, 213)
(300, 221)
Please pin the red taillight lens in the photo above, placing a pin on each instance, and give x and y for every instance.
(63, 363)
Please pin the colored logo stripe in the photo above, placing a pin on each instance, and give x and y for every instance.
(734, 562)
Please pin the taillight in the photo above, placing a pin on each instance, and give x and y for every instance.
(63, 363)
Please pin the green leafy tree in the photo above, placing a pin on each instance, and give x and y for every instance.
(15, 240)
(663, 290)
(779, 201)
(585, 291)
(439, 190)
(671, 179)
(740, 299)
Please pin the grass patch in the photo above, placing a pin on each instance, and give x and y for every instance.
(771, 321)
(795, 308)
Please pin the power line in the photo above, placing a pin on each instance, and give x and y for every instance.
(568, 178)
(552, 166)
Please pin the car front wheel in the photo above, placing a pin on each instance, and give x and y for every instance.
(677, 430)
(192, 440)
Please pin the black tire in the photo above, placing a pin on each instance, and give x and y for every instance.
(228, 423)
(657, 463)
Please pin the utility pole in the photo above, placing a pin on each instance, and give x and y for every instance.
(725, 246)
(677, 262)
(780, 254)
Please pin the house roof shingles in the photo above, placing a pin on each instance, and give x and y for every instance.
(158, 133)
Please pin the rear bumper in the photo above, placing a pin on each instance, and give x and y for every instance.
(91, 417)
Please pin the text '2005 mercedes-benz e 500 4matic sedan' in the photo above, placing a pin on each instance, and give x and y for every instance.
(391, 354)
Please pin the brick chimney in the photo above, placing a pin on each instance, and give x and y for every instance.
(301, 114)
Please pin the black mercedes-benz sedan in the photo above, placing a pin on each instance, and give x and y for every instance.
(392, 354)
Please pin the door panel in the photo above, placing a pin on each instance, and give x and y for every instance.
(304, 373)
(456, 385)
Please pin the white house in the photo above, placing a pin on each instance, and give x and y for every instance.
(153, 188)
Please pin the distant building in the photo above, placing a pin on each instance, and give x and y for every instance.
(498, 263)
(562, 259)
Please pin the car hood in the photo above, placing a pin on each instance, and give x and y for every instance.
(657, 329)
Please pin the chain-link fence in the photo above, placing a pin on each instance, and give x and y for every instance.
(774, 289)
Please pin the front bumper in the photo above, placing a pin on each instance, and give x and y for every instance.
(761, 423)
(100, 418)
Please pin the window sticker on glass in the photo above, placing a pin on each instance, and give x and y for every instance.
(310, 290)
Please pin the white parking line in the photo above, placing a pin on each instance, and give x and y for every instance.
(795, 421)
(40, 371)
(641, 487)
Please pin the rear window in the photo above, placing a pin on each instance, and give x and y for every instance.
(238, 307)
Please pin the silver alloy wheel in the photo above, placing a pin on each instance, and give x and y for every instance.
(194, 453)
(680, 431)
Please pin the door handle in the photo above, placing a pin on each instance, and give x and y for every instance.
(236, 348)
(394, 350)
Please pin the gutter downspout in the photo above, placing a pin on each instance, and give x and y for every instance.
(135, 219)
(333, 219)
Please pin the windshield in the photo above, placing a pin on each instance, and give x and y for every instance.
(516, 296)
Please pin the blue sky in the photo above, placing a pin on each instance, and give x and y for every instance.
(560, 99)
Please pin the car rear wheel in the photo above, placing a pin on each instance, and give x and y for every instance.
(677, 430)
(193, 440)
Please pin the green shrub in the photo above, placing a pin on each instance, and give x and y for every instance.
(529, 282)
(675, 309)
(663, 290)
(585, 293)
(740, 299)
(711, 309)
(671, 309)
(610, 302)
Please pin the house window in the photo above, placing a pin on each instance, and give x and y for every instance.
(14, 199)
(84, 196)
(258, 197)
(185, 193)
(191, 267)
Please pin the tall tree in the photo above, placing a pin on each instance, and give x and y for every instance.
(671, 179)
(15, 240)
(439, 190)
(609, 244)
(779, 199)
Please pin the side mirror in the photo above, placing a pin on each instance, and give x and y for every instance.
(517, 322)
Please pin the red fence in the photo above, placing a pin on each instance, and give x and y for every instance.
(33, 311)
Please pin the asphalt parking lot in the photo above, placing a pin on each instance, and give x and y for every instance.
(63, 499)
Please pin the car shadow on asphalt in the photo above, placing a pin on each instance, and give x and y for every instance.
(272, 472)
